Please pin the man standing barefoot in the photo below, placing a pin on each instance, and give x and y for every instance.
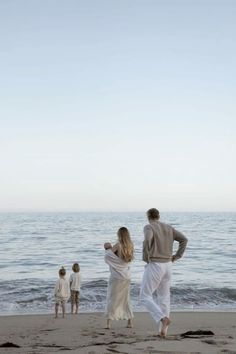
(157, 253)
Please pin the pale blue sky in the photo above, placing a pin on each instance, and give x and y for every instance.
(118, 105)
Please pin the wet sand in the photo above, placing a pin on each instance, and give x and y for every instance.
(85, 334)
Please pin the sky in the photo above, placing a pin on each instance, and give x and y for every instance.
(117, 105)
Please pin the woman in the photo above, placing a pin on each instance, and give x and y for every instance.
(118, 258)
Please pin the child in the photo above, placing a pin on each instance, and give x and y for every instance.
(75, 287)
(61, 292)
(118, 258)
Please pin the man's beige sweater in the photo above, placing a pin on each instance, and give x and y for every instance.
(158, 242)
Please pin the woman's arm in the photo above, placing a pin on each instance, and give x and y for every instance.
(115, 248)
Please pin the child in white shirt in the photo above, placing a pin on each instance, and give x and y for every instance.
(75, 288)
(62, 292)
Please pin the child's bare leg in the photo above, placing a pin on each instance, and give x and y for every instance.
(76, 308)
(72, 307)
(63, 305)
(56, 310)
(108, 324)
(72, 301)
(130, 323)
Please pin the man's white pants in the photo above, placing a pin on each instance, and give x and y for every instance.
(156, 277)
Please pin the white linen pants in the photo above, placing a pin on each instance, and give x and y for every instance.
(156, 277)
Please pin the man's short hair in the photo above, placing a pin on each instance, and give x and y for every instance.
(153, 214)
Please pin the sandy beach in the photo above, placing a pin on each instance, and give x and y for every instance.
(85, 334)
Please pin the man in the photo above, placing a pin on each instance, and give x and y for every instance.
(157, 253)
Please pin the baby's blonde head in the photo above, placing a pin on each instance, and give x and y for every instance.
(127, 247)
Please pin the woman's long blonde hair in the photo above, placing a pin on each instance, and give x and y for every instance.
(126, 245)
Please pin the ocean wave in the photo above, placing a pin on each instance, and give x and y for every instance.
(34, 299)
(28, 297)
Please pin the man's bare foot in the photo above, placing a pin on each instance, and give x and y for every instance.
(165, 324)
(129, 324)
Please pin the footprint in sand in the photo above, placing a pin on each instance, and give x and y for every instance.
(214, 342)
(85, 333)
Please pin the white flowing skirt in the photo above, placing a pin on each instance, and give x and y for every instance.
(118, 300)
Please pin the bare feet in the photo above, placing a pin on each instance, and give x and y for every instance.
(165, 323)
(108, 324)
(130, 324)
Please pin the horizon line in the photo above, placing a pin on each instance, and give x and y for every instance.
(113, 211)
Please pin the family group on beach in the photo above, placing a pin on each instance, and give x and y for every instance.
(158, 255)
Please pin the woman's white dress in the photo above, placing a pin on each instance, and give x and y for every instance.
(118, 305)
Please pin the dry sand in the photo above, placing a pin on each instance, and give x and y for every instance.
(85, 333)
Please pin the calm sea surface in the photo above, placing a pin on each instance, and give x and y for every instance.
(35, 245)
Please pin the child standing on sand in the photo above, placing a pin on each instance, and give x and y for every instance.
(61, 292)
(75, 288)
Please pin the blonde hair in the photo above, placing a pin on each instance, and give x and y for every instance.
(62, 272)
(126, 245)
(76, 268)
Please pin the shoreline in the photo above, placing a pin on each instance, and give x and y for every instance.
(84, 333)
(223, 310)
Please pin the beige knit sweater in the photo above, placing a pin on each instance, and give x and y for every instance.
(158, 242)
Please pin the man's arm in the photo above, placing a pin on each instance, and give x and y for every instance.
(179, 237)
(148, 235)
(115, 249)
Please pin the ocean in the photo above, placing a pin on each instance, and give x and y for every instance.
(35, 245)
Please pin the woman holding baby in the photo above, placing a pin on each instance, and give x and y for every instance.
(119, 257)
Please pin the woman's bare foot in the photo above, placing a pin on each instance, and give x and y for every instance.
(165, 324)
(130, 324)
(108, 324)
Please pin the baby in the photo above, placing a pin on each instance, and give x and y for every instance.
(75, 288)
(61, 292)
(107, 245)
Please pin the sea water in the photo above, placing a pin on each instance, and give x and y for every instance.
(35, 245)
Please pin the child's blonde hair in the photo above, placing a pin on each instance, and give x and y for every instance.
(126, 245)
(76, 267)
(62, 272)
